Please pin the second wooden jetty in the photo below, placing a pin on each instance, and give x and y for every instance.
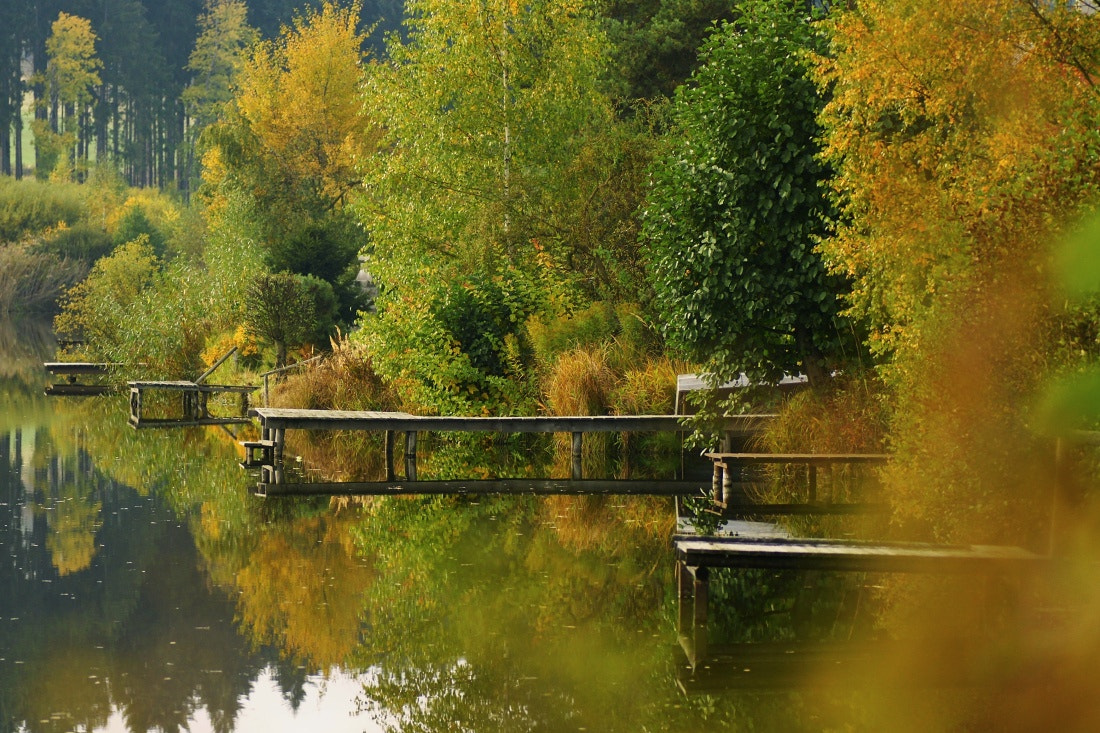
(82, 378)
(194, 403)
(267, 453)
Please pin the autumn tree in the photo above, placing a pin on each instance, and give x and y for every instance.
(285, 155)
(965, 136)
(737, 205)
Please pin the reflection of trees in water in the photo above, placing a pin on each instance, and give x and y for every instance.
(301, 590)
(133, 628)
(481, 617)
(24, 345)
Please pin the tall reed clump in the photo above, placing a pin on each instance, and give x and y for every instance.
(29, 206)
(31, 282)
(603, 361)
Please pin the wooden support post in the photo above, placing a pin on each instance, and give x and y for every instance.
(1059, 492)
(135, 404)
(410, 455)
(578, 468)
(683, 614)
(700, 590)
(388, 446)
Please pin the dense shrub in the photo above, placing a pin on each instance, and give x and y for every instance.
(82, 241)
(457, 347)
(29, 206)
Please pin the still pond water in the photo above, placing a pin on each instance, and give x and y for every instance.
(143, 587)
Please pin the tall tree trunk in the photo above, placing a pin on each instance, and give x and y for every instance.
(100, 114)
(19, 146)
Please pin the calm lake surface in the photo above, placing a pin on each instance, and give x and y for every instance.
(143, 587)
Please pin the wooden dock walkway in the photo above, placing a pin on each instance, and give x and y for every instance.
(194, 403)
(82, 378)
(532, 486)
(697, 555)
(267, 453)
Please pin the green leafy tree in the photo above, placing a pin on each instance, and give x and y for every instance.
(504, 169)
(486, 106)
(737, 205)
(218, 57)
(219, 54)
(282, 310)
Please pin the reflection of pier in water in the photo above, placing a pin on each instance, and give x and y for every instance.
(267, 453)
(785, 664)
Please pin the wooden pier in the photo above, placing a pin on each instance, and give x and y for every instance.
(697, 555)
(267, 453)
(82, 378)
(194, 404)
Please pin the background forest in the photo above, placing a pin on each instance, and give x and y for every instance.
(561, 204)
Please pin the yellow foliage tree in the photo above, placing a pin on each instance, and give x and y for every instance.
(280, 165)
(965, 136)
(72, 73)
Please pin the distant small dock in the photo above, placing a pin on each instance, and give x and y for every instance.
(267, 453)
(194, 401)
(82, 378)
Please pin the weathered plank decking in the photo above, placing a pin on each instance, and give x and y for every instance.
(267, 453)
(697, 555)
(194, 399)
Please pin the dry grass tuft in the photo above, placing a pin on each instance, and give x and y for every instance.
(581, 382)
